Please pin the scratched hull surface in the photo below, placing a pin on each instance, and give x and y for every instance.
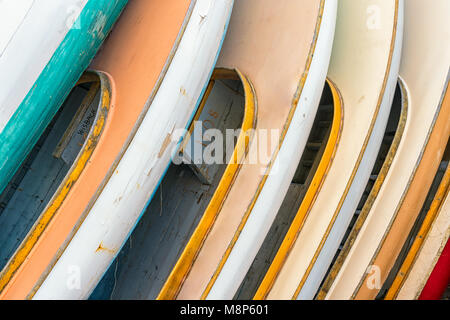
(146, 260)
(43, 43)
(155, 92)
(394, 211)
(255, 48)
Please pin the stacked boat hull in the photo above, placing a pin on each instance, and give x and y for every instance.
(220, 149)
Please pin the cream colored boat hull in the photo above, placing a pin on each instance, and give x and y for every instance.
(376, 247)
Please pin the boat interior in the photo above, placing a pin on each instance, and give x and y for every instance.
(146, 260)
(40, 176)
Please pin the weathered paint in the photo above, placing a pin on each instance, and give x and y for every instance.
(153, 248)
(33, 236)
(310, 197)
(54, 83)
(435, 207)
(371, 198)
(187, 258)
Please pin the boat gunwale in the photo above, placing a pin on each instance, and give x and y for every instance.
(361, 154)
(294, 104)
(47, 77)
(181, 270)
(310, 196)
(216, 40)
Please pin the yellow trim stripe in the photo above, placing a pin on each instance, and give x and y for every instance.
(38, 229)
(179, 273)
(309, 200)
(432, 213)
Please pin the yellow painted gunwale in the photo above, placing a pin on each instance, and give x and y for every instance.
(182, 267)
(310, 196)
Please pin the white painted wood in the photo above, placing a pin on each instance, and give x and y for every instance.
(31, 31)
(125, 196)
(12, 14)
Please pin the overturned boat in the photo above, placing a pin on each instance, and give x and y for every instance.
(146, 84)
(44, 48)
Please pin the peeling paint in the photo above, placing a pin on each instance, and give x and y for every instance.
(165, 144)
(102, 248)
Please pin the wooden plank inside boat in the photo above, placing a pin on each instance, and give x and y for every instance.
(146, 260)
(37, 180)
